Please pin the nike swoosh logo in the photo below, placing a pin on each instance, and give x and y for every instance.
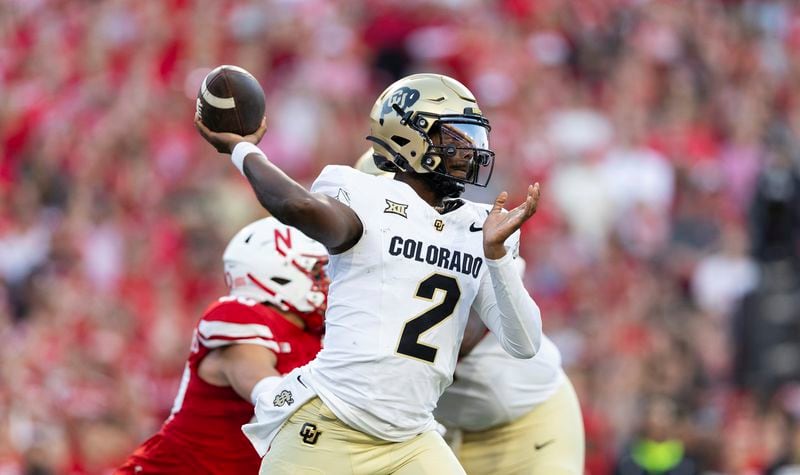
(474, 228)
(543, 444)
(301, 382)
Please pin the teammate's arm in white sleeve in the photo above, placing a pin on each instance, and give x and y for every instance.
(502, 301)
(476, 330)
(506, 308)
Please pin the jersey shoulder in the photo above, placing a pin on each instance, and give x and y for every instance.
(334, 177)
(237, 320)
(359, 191)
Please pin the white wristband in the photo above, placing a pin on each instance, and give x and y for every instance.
(241, 150)
(264, 385)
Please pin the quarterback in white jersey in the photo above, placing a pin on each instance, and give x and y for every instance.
(508, 415)
(416, 271)
(408, 262)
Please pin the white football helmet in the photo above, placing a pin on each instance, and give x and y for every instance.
(271, 262)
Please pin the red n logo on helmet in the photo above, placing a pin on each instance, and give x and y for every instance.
(283, 242)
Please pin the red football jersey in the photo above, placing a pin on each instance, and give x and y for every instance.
(203, 434)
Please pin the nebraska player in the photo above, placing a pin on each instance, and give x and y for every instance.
(269, 324)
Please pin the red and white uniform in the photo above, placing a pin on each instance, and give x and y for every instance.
(203, 434)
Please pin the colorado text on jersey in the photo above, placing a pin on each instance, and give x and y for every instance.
(463, 262)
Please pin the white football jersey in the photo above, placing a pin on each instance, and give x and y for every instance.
(398, 304)
(492, 388)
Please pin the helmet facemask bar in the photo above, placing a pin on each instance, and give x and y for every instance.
(315, 299)
(456, 135)
(313, 266)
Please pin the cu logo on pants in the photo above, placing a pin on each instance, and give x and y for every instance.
(309, 433)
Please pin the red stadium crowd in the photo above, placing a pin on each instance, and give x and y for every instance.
(664, 256)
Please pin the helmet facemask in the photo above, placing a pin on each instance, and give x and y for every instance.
(459, 151)
(311, 306)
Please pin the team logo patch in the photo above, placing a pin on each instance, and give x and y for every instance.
(404, 97)
(438, 224)
(285, 397)
(309, 433)
(396, 208)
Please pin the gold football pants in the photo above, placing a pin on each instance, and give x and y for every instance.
(314, 441)
(549, 440)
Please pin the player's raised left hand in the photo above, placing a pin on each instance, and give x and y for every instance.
(225, 141)
(499, 225)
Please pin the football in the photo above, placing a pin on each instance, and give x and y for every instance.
(231, 100)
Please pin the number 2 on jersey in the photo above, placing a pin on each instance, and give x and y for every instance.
(409, 341)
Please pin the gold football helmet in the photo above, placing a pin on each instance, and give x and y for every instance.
(422, 119)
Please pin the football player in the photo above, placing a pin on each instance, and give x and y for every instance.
(409, 259)
(270, 323)
(512, 416)
(503, 414)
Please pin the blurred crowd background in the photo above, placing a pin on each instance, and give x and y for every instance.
(664, 254)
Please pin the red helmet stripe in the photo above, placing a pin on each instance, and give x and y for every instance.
(260, 284)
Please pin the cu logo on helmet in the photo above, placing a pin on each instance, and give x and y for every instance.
(404, 97)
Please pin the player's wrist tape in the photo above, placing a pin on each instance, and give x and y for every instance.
(264, 385)
(241, 150)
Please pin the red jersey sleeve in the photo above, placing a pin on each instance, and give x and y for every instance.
(237, 321)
